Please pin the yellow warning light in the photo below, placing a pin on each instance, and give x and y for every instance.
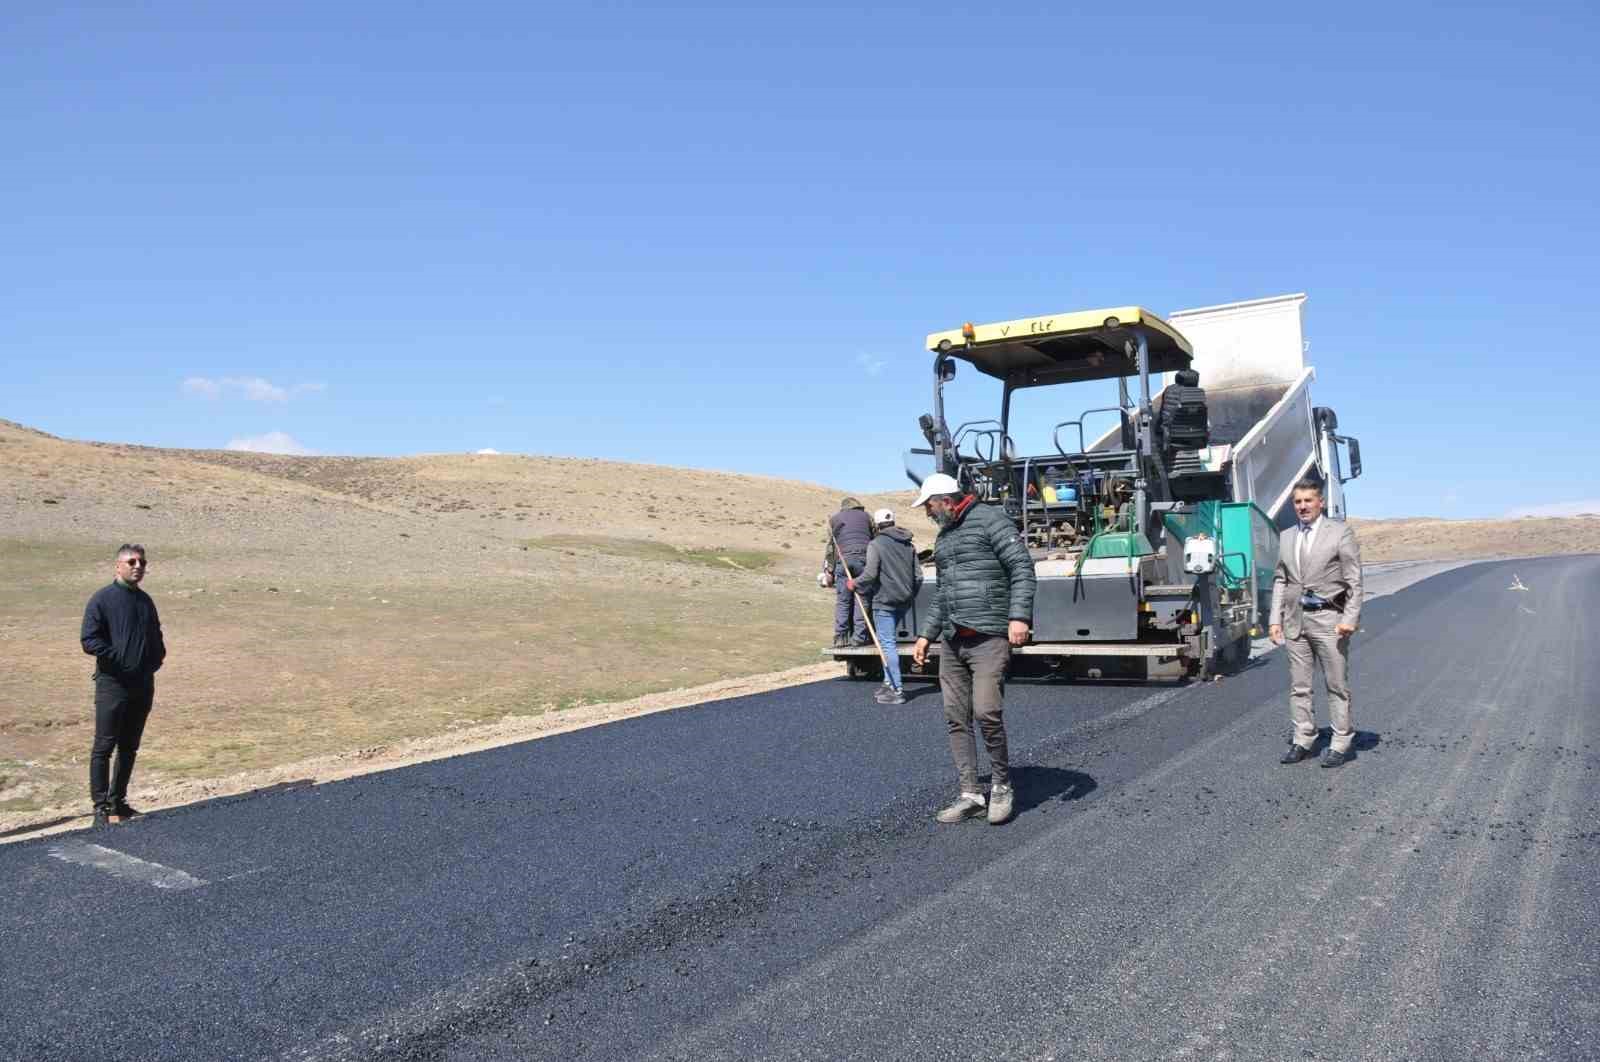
(968, 332)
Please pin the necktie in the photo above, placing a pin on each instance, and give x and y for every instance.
(1305, 537)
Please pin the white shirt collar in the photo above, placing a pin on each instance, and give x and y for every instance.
(1312, 527)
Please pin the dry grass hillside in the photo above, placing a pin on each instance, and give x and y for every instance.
(1420, 539)
(320, 605)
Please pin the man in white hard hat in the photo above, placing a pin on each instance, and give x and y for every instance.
(892, 578)
(981, 607)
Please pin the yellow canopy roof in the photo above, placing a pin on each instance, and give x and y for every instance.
(1065, 347)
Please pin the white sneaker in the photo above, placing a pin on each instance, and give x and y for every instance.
(1000, 797)
(966, 806)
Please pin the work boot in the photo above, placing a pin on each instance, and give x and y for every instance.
(840, 641)
(966, 806)
(999, 804)
(889, 695)
(102, 817)
(125, 810)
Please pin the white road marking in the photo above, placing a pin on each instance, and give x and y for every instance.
(121, 865)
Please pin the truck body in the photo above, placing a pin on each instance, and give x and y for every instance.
(1153, 543)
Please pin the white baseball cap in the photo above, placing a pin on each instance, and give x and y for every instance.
(935, 485)
(883, 518)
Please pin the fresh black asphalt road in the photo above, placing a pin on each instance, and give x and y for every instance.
(763, 878)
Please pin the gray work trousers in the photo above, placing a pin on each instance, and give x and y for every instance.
(972, 674)
(848, 620)
(1319, 643)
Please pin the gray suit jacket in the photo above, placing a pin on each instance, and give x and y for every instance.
(1333, 567)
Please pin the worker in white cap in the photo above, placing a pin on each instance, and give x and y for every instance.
(892, 577)
(981, 607)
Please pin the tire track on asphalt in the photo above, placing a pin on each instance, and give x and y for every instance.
(1253, 883)
(1280, 960)
(1402, 960)
(1513, 985)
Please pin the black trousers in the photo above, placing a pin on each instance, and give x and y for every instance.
(120, 711)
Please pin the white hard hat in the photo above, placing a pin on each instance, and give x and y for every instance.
(935, 485)
(883, 517)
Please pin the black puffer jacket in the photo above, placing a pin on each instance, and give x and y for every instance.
(892, 576)
(985, 575)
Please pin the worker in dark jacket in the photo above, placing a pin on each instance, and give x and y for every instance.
(851, 530)
(122, 631)
(891, 579)
(981, 607)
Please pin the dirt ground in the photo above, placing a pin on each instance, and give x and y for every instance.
(328, 616)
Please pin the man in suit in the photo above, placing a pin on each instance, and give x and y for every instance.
(1316, 607)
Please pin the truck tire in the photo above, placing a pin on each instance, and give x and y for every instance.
(862, 671)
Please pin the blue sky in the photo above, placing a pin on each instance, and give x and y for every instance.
(716, 235)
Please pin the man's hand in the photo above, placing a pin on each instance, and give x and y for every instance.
(1344, 630)
(850, 584)
(1017, 632)
(919, 652)
(827, 578)
(1275, 632)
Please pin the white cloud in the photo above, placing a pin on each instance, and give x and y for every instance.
(870, 365)
(1568, 508)
(258, 390)
(273, 442)
(487, 450)
(255, 388)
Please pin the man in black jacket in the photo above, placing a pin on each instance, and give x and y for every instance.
(122, 631)
(981, 607)
(890, 580)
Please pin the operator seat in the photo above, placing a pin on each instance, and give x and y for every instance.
(1182, 430)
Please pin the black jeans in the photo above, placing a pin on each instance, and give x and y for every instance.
(120, 710)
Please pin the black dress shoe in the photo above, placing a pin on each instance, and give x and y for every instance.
(1295, 754)
(1335, 759)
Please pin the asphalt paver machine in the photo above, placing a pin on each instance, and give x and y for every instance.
(1154, 542)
